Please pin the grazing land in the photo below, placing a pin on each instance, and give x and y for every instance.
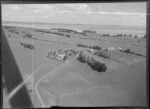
(71, 68)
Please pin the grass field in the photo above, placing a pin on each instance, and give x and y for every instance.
(123, 84)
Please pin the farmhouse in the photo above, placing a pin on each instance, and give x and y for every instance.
(112, 49)
(121, 49)
(61, 56)
(90, 50)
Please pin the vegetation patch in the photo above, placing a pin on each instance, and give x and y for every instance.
(12, 31)
(131, 52)
(26, 45)
(9, 27)
(103, 54)
(28, 35)
(95, 47)
(81, 45)
(49, 32)
(95, 65)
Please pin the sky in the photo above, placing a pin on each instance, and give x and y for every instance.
(128, 14)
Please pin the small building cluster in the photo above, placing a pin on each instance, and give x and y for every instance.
(62, 54)
(115, 49)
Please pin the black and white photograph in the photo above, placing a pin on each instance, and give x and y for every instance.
(74, 54)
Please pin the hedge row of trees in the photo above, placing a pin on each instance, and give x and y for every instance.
(66, 30)
(71, 52)
(95, 47)
(61, 34)
(8, 27)
(81, 33)
(57, 33)
(122, 35)
(118, 35)
(30, 46)
(106, 35)
(95, 65)
(28, 35)
(13, 31)
(103, 54)
(81, 45)
(131, 52)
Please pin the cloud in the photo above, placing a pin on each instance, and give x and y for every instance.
(41, 6)
(71, 13)
(111, 13)
(74, 7)
(16, 7)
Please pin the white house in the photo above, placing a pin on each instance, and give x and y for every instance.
(90, 50)
(61, 56)
(119, 48)
(112, 49)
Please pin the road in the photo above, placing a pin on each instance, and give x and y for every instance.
(22, 84)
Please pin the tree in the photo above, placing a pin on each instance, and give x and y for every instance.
(65, 57)
(28, 35)
(136, 36)
(127, 51)
(95, 65)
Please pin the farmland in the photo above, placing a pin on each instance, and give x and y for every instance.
(72, 82)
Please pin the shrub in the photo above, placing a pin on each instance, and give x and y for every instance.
(61, 34)
(30, 46)
(136, 36)
(82, 58)
(71, 52)
(65, 57)
(103, 54)
(131, 52)
(95, 47)
(17, 32)
(103, 67)
(74, 51)
(138, 54)
(82, 33)
(27, 35)
(90, 61)
(127, 50)
(129, 35)
(68, 35)
(21, 43)
(81, 45)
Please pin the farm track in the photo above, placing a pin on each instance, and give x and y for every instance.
(51, 73)
(57, 96)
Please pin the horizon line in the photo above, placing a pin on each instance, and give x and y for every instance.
(72, 23)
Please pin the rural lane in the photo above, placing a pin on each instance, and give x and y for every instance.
(50, 74)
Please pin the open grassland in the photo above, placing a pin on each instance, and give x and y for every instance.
(127, 83)
(76, 83)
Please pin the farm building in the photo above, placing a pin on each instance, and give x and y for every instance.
(112, 49)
